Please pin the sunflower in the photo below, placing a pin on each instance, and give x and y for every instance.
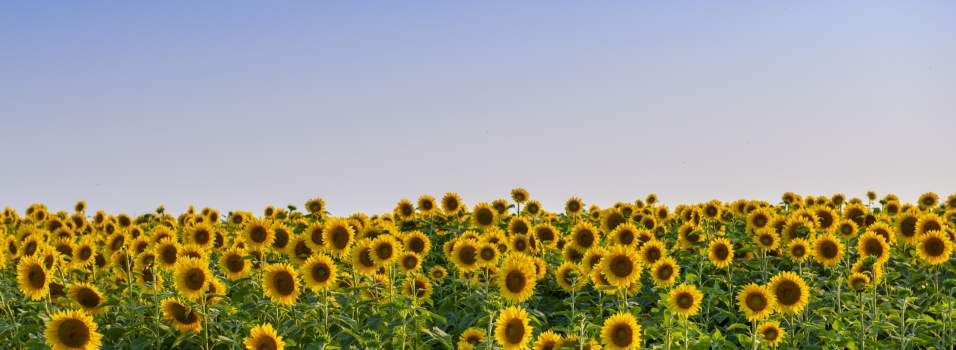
(827, 250)
(759, 219)
(720, 252)
(625, 234)
(798, 249)
(385, 250)
(665, 271)
(570, 276)
(874, 271)
(592, 258)
(548, 340)
(858, 281)
(484, 216)
(652, 251)
(519, 226)
(928, 200)
(533, 208)
(684, 300)
(573, 206)
(339, 235)
(281, 284)
(688, 234)
(767, 239)
(33, 278)
(362, 257)
(437, 273)
(116, 242)
(512, 329)
(84, 252)
(855, 212)
(190, 250)
(182, 317)
(487, 254)
(771, 332)
(426, 204)
(283, 234)
(319, 272)
(258, 234)
(928, 222)
(517, 278)
(472, 336)
(756, 302)
(934, 247)
(611, 219)
(264, 337)
(520, 243)
(451, 203)
(621, 266)
(298, 249)
(583, 236)
(547, 235)
(871, 244)
(192, 277)
(791, 292)
(200, 235)
(465, 255)
(422, 288)
(883, 230)
(72, 330)
(621, 332)
(315, 206)
(906, 226)
(232, 264)
(519, 195)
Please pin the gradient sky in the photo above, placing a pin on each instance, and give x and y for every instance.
(239, 105)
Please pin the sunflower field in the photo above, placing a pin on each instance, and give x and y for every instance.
(809, 272)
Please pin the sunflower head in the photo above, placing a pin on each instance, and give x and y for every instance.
(790, 291)
(756, 302)
(570, 276)
(258, 234)
(72, 329)
(928, 200)
(451, 203)
(771, 333)
(584, 236)
(192, 277)
(574, 206)
(798, 249)
(281, 284)
(611, 219)
(684, 300)
(517, 277)
(767, 239)
(437, 273)
(264, 337)
(472, 336)
(720, 252)
(934, 247)
(319, 272)
(418, 287)
(827, 250)
(33, 278)
(652, 251)
(519, 195)
(512, 328)
(621, 331)
(665, 271)
(484, 216)
(621, 266)
(858, 281)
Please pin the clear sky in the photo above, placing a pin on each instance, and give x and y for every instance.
(242, 104)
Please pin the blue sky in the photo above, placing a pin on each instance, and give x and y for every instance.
(239, 105)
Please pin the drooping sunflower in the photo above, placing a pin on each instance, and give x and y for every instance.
(339, 236)
(519, 195)
(665, 271)
(771, 332)
(756, 302)
(548, 340)
(652, 251)
(570, 276)
(258, 234)
(720, 252)
(767, 239)
(517, 278)
(827, 250)
(573, 206)
(419, 286)
(875, 271)
(621, 332)
(33, 278)
(72, 330)
(319, 272)
(472, 336)
(791, 292)
(858, 281)
(465, 255)
(906, 226)
(625, 234)
(934, 247)
(798, 249)
(281, 284)
(181, 316)
(512, 329)
(621, 266)
(264, 337)
(547, 235)
(192, 277)
(584, 236)
(451, 203)
(684, 300)
(871, 244)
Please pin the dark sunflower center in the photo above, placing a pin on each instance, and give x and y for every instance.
(520, 227)
(37, 276)
(365, 259)
(545, 235)
(467, 255)
(846, 230)
(665, 272)
(766, 240)
(874, 248)
(258, 234)
(693, 236)
(410, 262)
(420, 289)
(451, 204)
(931, 226)
(756, 302)
(284, 283)
(73, 333)
(859, 283)
(340, 237)
(181, 315)
(487, 253)
(614, 220)
(623, 335)
(407, 210)
(516, 281)
(417, 245)
(202, 237)
(934, 247)
(585, 238)
(321, 273)
(770, 334)
(711, 211)
(908, 227)
(721, 252)
(626, 238)
(574, 207)
(195, 278)
(828, 249)
(85, 253)
(788, 293)
(621, 266)
(514, 332)
(798, 251)
(385, 251)
(473, 340)
(520, 245)
(653, 254)
(316, 236)
(685, 301)
(281, 240)
(235, 263)
(760, 221)
(301, 248)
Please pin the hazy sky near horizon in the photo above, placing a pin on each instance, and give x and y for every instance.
(239, 105)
